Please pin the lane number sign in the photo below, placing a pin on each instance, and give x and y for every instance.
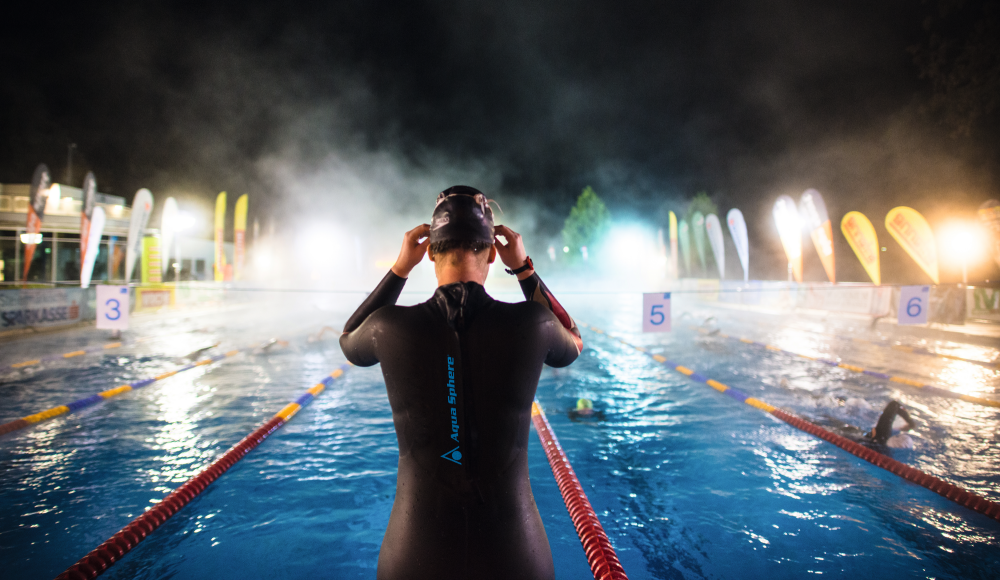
(656, 312)
(112, 307)
(913, 304)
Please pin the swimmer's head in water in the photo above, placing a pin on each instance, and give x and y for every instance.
(463, 217)
(584, 404)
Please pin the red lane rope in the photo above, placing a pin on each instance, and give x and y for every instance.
(102, 557)
(939, 486)
(601, 556)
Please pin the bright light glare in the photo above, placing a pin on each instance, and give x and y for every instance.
(789, 224)
(963, 242)
(185, 221)
(31, 239)
(629, 247)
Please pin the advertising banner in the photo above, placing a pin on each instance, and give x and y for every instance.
(989, 216)
(817, 222)
(860, 233)
(914, 234)
(684, 239)
(786, 217)
(714, 230)
(151, 272)
(738, 230)
(239, 236)
(40, 184)
(40, 307)
(673, 246)
(86, 212)
(168, 233)
(142, 206)
(220, 237)
(96, 228)
(698, 230)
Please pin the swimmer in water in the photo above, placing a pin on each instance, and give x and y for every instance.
(461, 371)
(585, 411)
(883, 433)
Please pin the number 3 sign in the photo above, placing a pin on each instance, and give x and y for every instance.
(913, 303)
(656, 312)
(112, 307)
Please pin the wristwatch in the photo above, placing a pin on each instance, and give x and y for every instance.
(528, 265)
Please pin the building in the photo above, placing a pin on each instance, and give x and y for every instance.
(57, 257)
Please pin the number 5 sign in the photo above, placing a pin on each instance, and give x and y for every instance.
(656, 312)
(112, 307)
(913, 304)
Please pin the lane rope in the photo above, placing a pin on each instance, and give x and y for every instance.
(101, 558)
(47, 414)
(948, 490)
(924, 387)
(55, 357)
(600, 554)
(901, 347)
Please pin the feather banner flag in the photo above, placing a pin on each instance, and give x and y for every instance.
(738, 230)
(239, 236)
(714, 230)
(168, 232)
(142, 206)
(39, 195)
(684, 239)
(817, 222)
(860, 234)
(220, 232)
(786, 217)
(698, 230)
(912, 231)
(673, 246)
(95, 230)
(86, 215)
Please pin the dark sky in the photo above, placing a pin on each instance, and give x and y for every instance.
(649, 102)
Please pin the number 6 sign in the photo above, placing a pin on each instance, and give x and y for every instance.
(656, 312)
(913, 303)
(112, 307)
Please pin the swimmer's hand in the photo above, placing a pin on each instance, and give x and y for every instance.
(513, 253)
(413, 250)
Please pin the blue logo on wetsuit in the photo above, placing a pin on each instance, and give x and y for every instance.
(455, 455)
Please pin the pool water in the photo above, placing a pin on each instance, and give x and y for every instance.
(687, 483)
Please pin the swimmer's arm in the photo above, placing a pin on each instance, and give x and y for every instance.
(357, 341)
(906, 416)
(535, 290)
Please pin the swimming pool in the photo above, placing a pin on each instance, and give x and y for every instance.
(687, 483)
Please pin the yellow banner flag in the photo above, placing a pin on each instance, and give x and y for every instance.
(239, 236)
(913, 232)
(860, 233)
(220, 233)
(673, 246)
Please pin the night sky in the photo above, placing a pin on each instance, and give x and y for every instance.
(648, 102)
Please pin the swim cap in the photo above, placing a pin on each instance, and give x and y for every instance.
(462, 214)
(584, 404)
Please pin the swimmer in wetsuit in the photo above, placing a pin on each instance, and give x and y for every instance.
(882, 432)
(461, 371)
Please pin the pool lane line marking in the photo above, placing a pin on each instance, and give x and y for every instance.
(596, 545)
(924, 387)
(901, 347)
(950, 491)
(55, 357)
(47, 414)
(101, 558)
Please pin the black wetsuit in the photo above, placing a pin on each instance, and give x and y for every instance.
(461, 371)
(883, 429)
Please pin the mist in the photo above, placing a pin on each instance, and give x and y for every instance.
(344, 121)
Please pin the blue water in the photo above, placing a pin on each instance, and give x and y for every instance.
(688, 483)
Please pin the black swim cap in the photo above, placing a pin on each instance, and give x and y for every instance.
(462, 214)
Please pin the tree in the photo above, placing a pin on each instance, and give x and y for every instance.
(702, 203)
(587, 223)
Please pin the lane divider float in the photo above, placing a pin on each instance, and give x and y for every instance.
(948, 490)
(47, 414)
(101, 558)
(601, 556)
(902, 347)
(924, 387)
(54, 357)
